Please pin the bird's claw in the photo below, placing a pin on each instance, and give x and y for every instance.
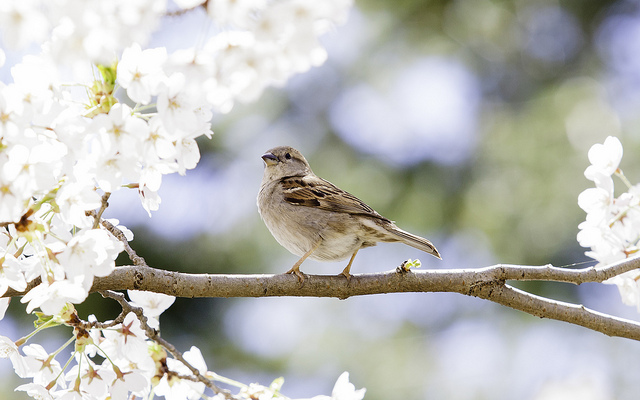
(301, 277)
(347, 275)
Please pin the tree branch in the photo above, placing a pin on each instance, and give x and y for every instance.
(463, 281)
(487, 283)
(562, 311)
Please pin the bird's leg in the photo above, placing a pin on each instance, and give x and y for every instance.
(346, 270)
(296, 267)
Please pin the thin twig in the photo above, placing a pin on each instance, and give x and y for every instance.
(98, 215)
(82, 324)
(118, 234)
(133, 256)
(568, 275)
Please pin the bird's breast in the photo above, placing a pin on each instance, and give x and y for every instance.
(299, 228)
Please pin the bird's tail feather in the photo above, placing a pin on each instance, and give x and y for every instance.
(416, 241)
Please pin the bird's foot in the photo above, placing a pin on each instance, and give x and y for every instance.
(347, 275)
(296, 271)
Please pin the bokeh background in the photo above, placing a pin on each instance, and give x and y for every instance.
(467, 122)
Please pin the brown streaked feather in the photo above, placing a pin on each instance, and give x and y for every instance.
(311, 191)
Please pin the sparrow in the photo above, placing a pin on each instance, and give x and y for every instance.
(313, 218)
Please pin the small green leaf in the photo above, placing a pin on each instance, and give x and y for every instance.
(109, 73)
(42, 319)
(408, 264)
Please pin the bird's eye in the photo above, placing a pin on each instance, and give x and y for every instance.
(287, 156)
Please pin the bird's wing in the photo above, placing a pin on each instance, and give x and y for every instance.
(312, 191)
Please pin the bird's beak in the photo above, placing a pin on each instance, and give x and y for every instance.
(269, 159)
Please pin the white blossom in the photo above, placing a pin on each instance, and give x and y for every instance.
(132, 381)
(149, 198)
(4, 304)
(126, 341)
(188, 155)
(73, 199)
(234, 12)
(22, 22)
(611, 229)
(153, 304)
(91, 252)
(345, 390)
(36, 391)
(96, 31)
(30, 266)
(604, 158)
(176, 108)
(120, 131)
(140, 72)
(52, 297)
(174, 388)
(629, 286)
(11, 275)
(94, 379)
(42, 368)
(8, 349)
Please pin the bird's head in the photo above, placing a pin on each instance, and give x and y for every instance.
(284, 161)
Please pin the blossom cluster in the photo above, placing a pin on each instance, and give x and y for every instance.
(95, 111)
(116, 361)
(258, 42)
(127, 358)
(612, 225)
(61, 147)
